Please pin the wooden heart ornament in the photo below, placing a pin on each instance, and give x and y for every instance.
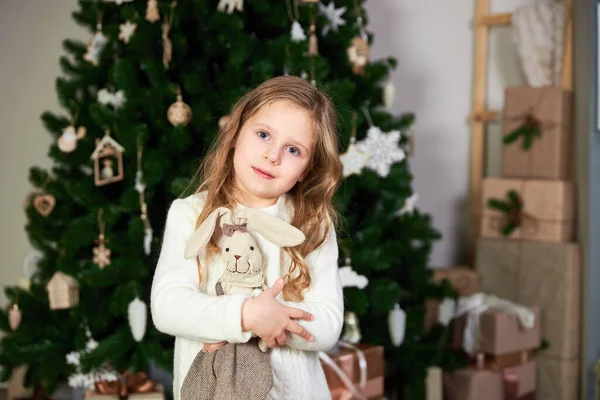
(44, 204)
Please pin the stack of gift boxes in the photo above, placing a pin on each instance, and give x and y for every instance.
(526, 252)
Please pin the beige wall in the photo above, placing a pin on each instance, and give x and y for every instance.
(32, 32)
(434, 80)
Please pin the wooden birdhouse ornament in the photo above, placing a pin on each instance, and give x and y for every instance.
(108, 160)
(63, 291)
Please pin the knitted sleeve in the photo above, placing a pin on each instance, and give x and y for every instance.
(324, 299)
(177, 307)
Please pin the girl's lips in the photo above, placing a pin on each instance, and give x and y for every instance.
(262, 174)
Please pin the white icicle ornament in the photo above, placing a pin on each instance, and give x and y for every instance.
(137, 315)
(397, 325)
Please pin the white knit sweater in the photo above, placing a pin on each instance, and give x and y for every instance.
(195, 315)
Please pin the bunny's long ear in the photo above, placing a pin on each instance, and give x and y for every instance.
(273, 229)
(202, 235)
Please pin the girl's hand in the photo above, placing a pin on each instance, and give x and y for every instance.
(269, 319)
(212, 347)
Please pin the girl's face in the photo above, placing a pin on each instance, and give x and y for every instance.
(272, 151)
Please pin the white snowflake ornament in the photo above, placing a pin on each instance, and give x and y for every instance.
(383, 148)
(115, 99)
(297, 33)
(126, 30)
(353, 160)
(333, 15)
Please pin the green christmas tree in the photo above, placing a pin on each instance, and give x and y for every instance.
(150, 88)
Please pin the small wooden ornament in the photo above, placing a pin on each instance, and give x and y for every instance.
(358, 55)
(67, 142)
(313, 46)
(179, 113)
(152, 14)
(14, 317)
(101, 253)
(63, 291)
(223, 121)
(107, 152)
(44, 204)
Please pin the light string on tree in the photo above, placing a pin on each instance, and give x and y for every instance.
(140, 187)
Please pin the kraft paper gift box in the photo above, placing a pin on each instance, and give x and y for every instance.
(501, 337)
(462, 279)
(549, 156)
(476, 383)
(546, 275)
(347, 360)
(546, 214)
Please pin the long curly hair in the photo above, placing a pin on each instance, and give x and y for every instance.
(312, 198)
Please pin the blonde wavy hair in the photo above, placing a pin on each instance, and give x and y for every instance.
(311, 199)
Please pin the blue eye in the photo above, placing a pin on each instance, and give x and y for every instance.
(293, 151)
(263, 135)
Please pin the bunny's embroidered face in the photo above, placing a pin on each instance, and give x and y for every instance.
(240, 250)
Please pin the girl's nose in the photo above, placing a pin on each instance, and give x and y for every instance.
(272, 155)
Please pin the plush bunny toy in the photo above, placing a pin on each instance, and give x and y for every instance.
(225, 373)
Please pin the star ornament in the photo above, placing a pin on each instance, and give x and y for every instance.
(384, 149)
(126, 30)
(333, 15)
(353, 160)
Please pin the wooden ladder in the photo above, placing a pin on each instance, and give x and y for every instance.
(481, 115)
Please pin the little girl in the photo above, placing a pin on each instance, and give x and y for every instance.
(278, 152)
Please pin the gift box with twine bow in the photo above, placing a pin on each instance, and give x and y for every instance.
(527, 209)
(537, 132)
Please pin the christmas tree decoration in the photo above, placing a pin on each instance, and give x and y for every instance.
(447, 311)
(389, 94)
(313, 46)
(14, 317)
(358, 55)
(44, 204)
(140, 187)
(297, 33)
(397, 325)
(334, 17)
(96, 44)
(179, 113)
(107, 152)
(67, 142)
(63, 291)
(223, 121)
(349, 277)
(119, 2)
(409, 205)
(137, 316)
(351, 332)
(383, 148)
(126, 31)
(88, 380)
(152, 14)
(229, 6)
(167, 44)
(101, 252)
(353, 160)
(115, 99)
